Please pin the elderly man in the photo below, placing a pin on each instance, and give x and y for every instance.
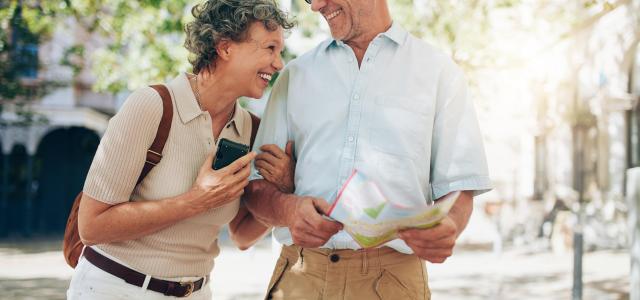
(377, 99)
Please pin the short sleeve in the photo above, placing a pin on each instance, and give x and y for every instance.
(121, 154)
(458, 160)
(273, 126)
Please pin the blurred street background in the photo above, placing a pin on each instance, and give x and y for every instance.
(556, 84)
(38, 271)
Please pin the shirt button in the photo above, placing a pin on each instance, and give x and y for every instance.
(356, 97)
(228, 125)
(351, 139)
(334, 258)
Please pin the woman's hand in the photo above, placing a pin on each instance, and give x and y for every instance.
(214, 188)
(277, 166)
(101, 223)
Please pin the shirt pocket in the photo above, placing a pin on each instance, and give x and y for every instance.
(401, 179)
(400, 125)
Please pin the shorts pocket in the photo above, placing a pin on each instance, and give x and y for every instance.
(425, 279)
(389, 287)
(281, 266)
(79, 273)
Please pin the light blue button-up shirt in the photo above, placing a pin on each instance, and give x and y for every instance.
(402, 118)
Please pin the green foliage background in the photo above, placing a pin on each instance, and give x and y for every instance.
(144, 38)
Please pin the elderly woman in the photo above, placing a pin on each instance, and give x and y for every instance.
(158, 239)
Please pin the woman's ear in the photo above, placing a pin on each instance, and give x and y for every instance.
(224, 49)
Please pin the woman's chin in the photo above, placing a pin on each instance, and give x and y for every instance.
(257, 94)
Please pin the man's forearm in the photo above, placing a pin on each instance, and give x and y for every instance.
(461, 210)
(245, 230)
(267, 204)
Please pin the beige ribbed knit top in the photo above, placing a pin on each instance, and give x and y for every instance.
(187, 248)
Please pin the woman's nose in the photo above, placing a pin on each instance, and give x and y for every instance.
(278, 64)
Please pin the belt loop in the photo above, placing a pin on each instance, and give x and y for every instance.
(82, 253)
(365, 263)
(146, 282)
(300, 257)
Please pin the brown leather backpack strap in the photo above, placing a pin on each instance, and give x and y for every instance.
(255, 123)
(154, 154)
(72, 244)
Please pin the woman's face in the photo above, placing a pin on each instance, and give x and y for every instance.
(253, 62)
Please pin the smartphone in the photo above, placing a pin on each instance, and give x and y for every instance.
(228, 152)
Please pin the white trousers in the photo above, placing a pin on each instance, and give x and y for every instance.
(91, 282)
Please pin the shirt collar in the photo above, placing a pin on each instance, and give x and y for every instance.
(238, 118)
(188, 108)
(395, 33)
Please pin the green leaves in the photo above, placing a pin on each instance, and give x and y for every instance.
(142, 40)
(74, 58)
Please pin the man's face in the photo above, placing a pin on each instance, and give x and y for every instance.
(346, 18)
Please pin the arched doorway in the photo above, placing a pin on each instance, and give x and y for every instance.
(15, 213)
(4, 182)
(62, 160)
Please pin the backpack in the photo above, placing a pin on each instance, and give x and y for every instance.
(72, 244)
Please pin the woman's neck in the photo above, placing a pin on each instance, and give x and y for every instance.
(217, 96)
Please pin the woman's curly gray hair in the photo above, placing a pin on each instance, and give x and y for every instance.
(217, 20)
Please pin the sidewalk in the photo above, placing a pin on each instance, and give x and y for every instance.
(42, 274)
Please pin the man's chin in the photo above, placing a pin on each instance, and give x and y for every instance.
(337, 35)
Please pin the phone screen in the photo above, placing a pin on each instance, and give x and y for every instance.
(228, 152)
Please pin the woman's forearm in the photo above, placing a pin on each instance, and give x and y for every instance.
(100, 223)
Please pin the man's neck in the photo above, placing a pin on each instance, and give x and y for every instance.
(360, 43)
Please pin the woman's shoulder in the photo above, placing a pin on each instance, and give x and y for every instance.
(144, 103)
(144, 96)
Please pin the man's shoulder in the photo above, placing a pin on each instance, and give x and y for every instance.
(430, 53)
(310, 57)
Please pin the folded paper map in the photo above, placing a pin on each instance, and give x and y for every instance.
(373, 219)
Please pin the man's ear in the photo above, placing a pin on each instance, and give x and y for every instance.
(224, 49)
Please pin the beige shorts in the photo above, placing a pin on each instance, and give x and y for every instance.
(383, 273)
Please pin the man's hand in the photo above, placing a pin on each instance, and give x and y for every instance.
(277, 166)
(307, 226)
(434, 244)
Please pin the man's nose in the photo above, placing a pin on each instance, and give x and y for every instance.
(317, 5)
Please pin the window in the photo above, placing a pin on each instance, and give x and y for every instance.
(25, 46)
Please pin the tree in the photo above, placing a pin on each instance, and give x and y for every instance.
(22, 27)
